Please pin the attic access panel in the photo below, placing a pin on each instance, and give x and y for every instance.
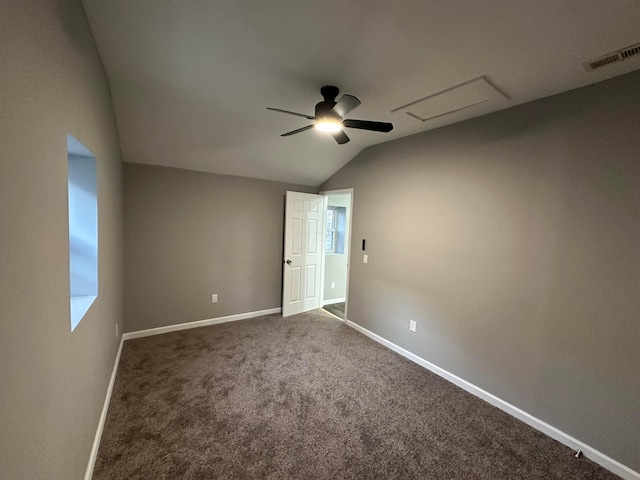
(453, 99)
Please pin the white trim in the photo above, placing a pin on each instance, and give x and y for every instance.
(340, 191)
(344, 191)
(325, 203)
(199, 323)
(333, 300)
(562, 437)
(103, 416)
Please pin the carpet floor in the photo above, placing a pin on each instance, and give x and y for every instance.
(307, 397)
(336, 308)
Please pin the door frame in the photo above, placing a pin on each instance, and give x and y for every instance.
(341, 191)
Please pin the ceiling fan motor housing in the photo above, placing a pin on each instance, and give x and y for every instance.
(329, 93)
(324, 108)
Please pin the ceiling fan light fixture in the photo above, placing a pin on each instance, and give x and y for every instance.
(330, 116)
(330, 125)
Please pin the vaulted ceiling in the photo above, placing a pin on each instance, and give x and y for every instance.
(191, 79)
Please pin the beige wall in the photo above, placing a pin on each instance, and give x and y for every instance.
(191, 234)
(53, 381)
(514, 241)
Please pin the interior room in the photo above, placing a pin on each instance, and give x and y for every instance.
(355, 239)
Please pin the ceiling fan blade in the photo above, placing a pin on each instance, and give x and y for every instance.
(367, 125)
(345, 105)
(308, 117)
(293, 132)
(340, 137)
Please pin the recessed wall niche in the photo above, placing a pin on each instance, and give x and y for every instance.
(83, 229)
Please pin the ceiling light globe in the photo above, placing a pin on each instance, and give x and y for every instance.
(328, 125)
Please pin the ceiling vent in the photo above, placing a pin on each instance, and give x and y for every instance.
(614, 57)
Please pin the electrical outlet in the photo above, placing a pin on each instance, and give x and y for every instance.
(365, 259)
(333, 284)
(116, 330)
(214, 298)
(412, 326)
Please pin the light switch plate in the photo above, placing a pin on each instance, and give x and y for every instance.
(412, 325)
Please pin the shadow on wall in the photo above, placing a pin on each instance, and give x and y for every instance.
(74, 23)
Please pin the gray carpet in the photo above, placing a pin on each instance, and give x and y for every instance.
(307, 397)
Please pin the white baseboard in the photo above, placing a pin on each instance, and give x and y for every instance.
(333, 300)
(598, 457)
(199, 323)
(103, 416)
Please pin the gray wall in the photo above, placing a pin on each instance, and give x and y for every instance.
(53, 381)
(190, 234)
(514, 241)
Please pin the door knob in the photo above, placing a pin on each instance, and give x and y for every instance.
(288, 262)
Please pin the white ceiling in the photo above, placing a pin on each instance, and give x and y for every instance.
(191, 79)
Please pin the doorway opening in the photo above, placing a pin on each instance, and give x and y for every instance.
(317, 252)
(336, 245)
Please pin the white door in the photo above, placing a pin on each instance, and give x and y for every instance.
(303, 252)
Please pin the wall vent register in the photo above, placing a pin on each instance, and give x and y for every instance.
(613, 57)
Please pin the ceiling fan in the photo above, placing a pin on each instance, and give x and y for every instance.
(330, 115)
